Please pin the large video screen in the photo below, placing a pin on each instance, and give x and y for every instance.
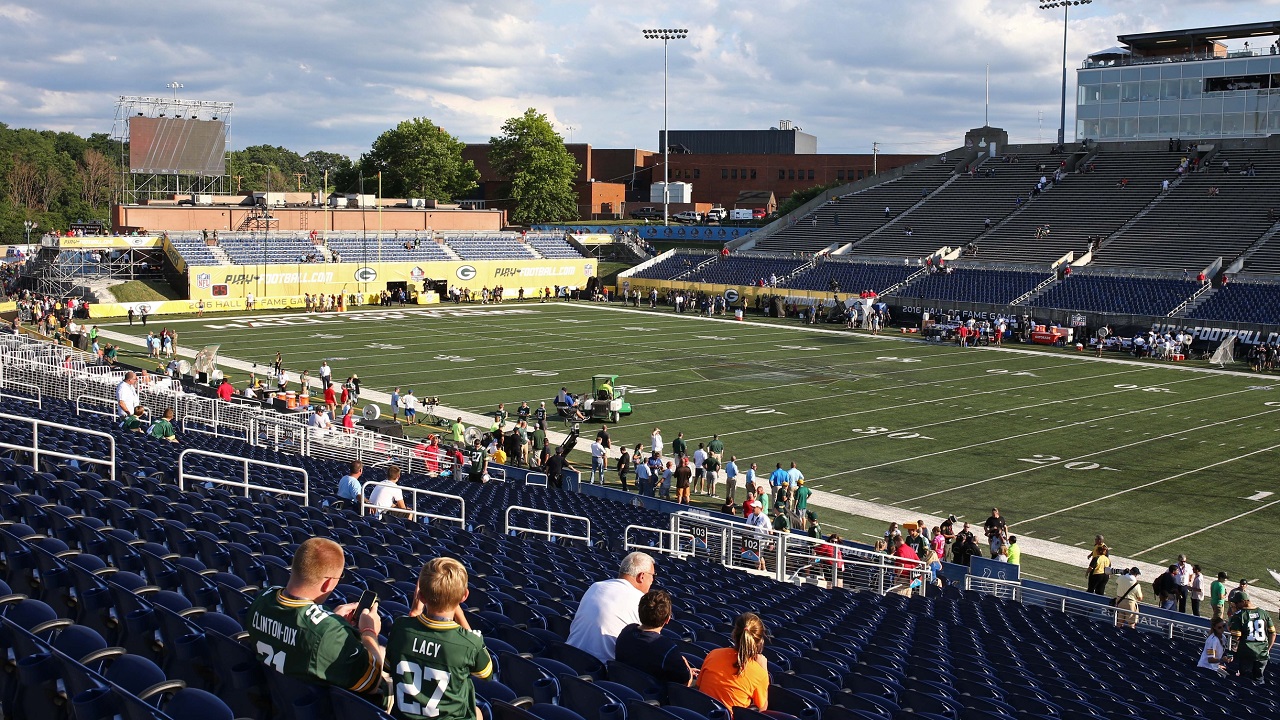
(177, 146)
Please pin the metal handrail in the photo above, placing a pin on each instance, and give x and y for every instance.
(21, 387)
(507, 527)
(183, 475)
(36, 452)
(669, 541)
(414, 513)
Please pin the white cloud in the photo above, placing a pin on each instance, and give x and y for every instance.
(333, 75)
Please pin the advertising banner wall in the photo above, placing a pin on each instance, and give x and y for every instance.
(275, 280)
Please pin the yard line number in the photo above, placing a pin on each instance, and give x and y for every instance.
(1077, 465)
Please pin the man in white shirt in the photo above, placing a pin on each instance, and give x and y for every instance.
(699, 461)
(326, 374)
(386, 497)
(597, 462)
(127, 395)
(1183, 577)
(610, 605)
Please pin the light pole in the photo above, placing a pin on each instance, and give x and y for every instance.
(175, 86)
(664, 35)
(28, 226)
(1065, 5)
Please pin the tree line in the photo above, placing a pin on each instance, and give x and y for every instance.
(56, 178)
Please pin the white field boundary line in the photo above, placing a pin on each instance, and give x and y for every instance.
(1078, 357)
(1091, 454)
(1210, 527)
(949, 421)
(914, 403)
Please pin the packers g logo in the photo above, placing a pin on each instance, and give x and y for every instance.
(366, 274)
(466, 272)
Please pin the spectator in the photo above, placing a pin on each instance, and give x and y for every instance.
(127, 395)
(349, 485)
(1165, 587)
(739, 676)
(435, 637)
(389, 498)
(1195, 586)
(1218, 596)
(1099, 571)
(1183, 577)
(134, 422)
(478, 460)
(1213, 656)
(646, 648)
(996, 531)
(1128, 595)
(295, 634)
(609, 606)
(1255, 634)
(624, 464)
(1013, 552)
(162, 429)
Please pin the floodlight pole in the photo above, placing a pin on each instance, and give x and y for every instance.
(1066, 6)
(665, 35)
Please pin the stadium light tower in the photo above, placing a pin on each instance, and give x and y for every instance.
(175, 86)
(665, 35)
(1066, 6)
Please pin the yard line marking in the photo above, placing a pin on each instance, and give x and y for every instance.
(1073, 459)
(1055, 537)
(1157, 482)
(1080, 543)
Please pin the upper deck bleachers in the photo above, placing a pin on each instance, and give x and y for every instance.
(956, 214)
(193, 250)
(1189, 229)
(387, 249)
(745, 270)
(283, 248)
(853, 276)
(672, 267)
(1083, 206)
(850, 217)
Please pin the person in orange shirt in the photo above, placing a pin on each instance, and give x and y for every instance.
(738, 676)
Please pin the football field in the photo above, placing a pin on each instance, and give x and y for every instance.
(1161, 460)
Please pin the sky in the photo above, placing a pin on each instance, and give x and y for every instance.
(323, 75)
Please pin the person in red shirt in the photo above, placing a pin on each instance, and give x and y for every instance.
(225, 391)
(833, 561)
(330, 396)
(907, 559)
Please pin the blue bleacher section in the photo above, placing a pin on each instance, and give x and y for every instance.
(193, 250)
(1241, 302)
(745, 270)
(972, 284)
(389, 249)
(283, 248)
(552, 245)
(166, 576)
(1117, 294)
(480, 246)
(854, 277)
(669, 268)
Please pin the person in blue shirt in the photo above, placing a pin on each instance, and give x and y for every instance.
(779, 476)
(731, 477)
(349, 485)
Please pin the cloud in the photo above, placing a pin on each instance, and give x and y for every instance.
(333, 75)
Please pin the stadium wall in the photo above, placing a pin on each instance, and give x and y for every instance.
(281, 280)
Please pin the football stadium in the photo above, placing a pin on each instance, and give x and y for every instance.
(984, 433)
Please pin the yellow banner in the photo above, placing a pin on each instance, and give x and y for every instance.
(238, 281)
(98, 242)
(222, 305)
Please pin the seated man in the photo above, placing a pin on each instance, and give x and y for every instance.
(296, 635)
(644, 647)
(389, 500)
(609, 606)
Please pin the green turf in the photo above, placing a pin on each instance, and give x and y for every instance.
(143, 291)
(1067, 447)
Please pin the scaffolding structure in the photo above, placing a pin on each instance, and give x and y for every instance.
(147, 184)
(65, 272)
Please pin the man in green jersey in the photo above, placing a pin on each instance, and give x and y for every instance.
(296, 635)
(432, 653)
(1254, 634)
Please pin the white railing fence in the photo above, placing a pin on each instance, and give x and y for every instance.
(36, 425)
(245, 483)
(568, 523)
(415, 503)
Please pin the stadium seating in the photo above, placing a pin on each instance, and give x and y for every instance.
(551, 245)
(849, 218)
(387, 249)
(853, 276)
(955, 214)
(670, 268)
(1117, 294)
(1245, 302)
(744, 269)
(193, 250)
(1189, 229)
(488, 246)
(975, 284)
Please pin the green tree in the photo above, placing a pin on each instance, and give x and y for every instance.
(800, 197)
(532, 156)
(417, 158)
